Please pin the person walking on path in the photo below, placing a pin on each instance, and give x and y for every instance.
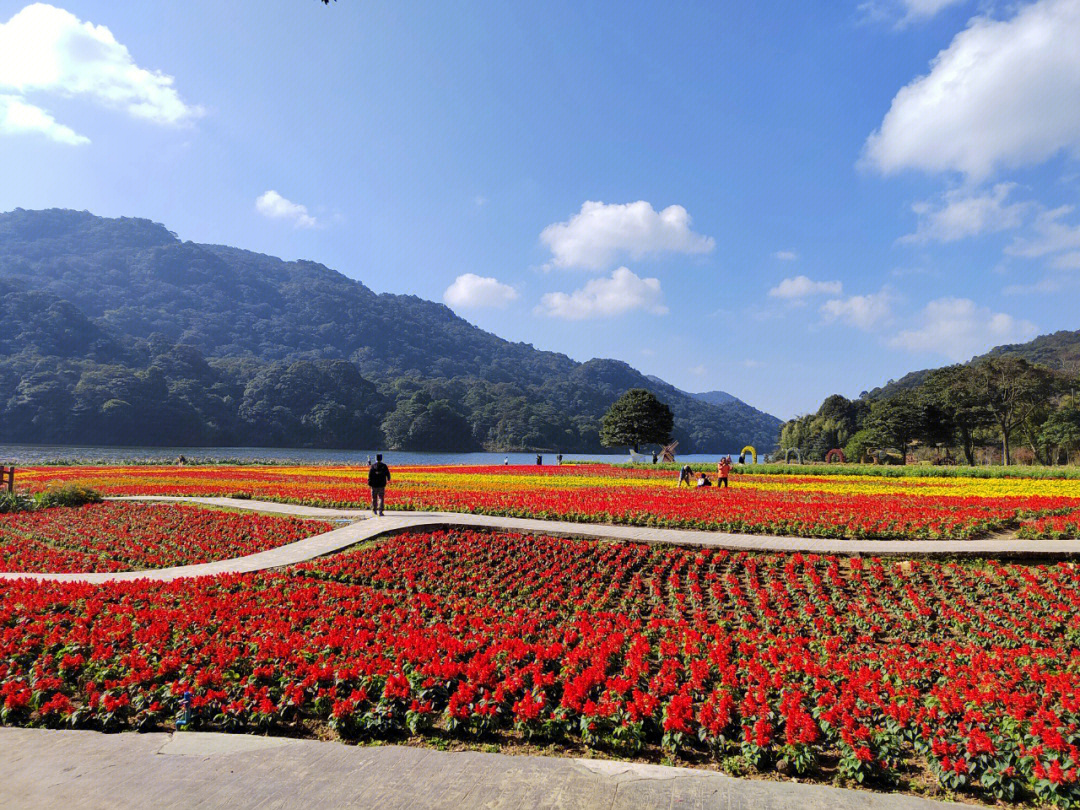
(377, 478)
(723, 469)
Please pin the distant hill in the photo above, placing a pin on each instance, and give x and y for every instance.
(1060, 351)
(750, 420)
(716, 397)
(115, 331)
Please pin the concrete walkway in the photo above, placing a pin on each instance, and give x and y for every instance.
(368, 527)
(61, 770)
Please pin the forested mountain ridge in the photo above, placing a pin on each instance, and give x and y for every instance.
(1059, 351)
(115, 331)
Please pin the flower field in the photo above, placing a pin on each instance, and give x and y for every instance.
(124, 536)
(857, 506)
(826, 667)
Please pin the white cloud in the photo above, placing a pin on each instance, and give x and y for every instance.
(1067, 261)
(786, 255)
(962, 214)
(958, 329)
(473, 291)
(605, 298)
(905, 12)
(1051, 235)
(273, 206)
(1001, 94)
(44, 49)
(861, 311)
(802, 287)
(17, 117)
(697, 371)
(595, 237)
(925, 9)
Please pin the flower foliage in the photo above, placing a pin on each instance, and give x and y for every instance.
(970, 671)
(121, 536)
(856, 506)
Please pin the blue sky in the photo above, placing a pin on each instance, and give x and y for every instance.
(780, 200)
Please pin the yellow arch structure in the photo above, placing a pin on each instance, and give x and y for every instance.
(753, 452)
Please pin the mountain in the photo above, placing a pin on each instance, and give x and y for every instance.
(746, 419)
(116, 331)
(716, 398)
(1059, 351)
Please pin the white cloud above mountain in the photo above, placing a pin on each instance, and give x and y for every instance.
(48, 51)
(470, 291)
(273, 206)
(1000, 95)
(866, 312)
(801, 287)
(18, 117)
(623, 292)
(960, 214)
(600, 234)
(1049, 235)
(959, 329)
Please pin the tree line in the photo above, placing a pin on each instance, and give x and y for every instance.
(1000, 402)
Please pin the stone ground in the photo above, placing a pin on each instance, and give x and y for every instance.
(64, 770)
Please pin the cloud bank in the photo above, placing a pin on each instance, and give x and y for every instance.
(605, 298)
(470, 291)
(273, 206)
(1002, 94)
(958, 329)
(961, 214)
(49, 51)
(802, 287)
(599, 234)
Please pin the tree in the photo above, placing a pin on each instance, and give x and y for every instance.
(1061, 431)
(896, 421)
(957, 399)
(635, 418)
(1012, 388)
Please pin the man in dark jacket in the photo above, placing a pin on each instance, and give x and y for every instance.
(377, 478)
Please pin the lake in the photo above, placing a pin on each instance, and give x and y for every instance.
(34, 454)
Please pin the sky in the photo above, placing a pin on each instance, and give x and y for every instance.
(781, 200)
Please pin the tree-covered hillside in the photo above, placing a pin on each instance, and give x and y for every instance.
(1059, 351)
(117, 332)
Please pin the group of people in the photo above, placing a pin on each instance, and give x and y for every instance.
(723, 470)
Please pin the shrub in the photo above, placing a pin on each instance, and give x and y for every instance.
(15, 502)
(68, 495)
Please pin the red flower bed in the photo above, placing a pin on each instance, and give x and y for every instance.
(743, 510)
(1057, 527)
(123, 536)
(969, 670)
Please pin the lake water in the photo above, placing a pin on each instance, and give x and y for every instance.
(32, 454)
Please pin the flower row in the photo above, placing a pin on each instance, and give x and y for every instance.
(875, 669)
(116, 536)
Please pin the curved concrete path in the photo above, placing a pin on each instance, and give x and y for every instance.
(64, 770)
(368, 527)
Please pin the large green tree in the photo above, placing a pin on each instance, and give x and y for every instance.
(958, 401)
(1012, 388)
(636, 418)
(896, 421)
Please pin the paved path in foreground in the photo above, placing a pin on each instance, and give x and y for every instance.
(61, 770)
(368, 527)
